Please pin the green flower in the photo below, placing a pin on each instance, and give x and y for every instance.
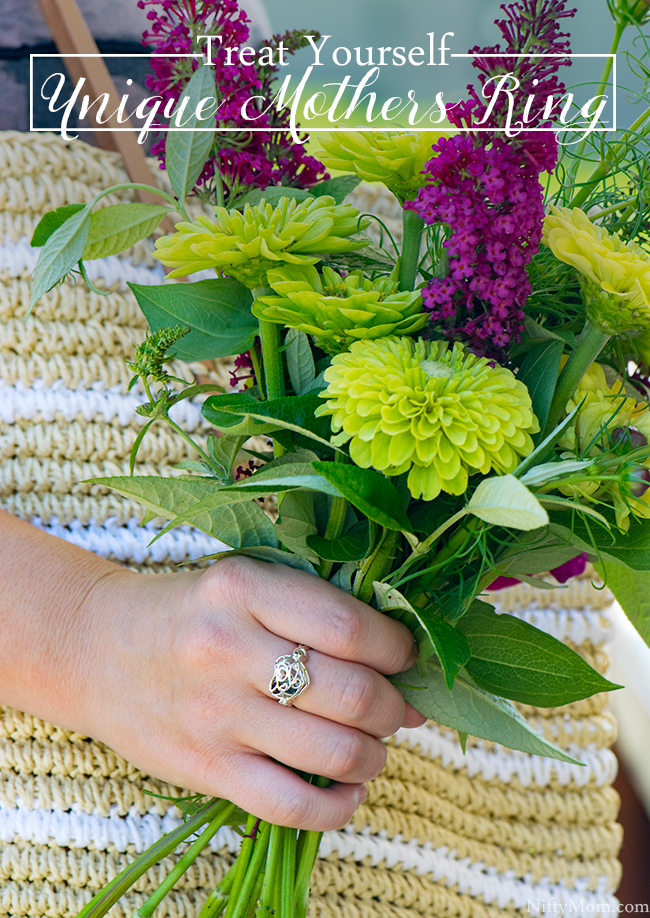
(395, 158)
(245, 245)
(437, 412)
(337, 310)
(614, 275)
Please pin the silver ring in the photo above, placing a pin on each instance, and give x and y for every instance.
(290, 676)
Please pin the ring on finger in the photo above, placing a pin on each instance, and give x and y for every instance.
(290, 677)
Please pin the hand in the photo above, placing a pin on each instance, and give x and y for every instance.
(175, 675)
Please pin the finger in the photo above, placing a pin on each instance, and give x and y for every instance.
(347, 693)
(308, 610)
(311, 744)
(413, 718)
(279, 796)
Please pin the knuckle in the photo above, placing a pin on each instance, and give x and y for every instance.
(347, 756)
(347, 632)
(232, 578)
(206, 643)
(294, 809)
(358, 697)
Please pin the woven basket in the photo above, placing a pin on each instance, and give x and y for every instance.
(491, 833)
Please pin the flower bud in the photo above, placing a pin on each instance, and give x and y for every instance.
(628, 436)
(639, 481)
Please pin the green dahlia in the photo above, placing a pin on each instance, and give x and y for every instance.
(336, 310)
(245, 245)
(396, 158)
(437, 412)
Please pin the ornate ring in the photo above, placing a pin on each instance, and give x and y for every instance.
(290, 676)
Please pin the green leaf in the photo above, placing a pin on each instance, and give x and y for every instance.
(632, 591)
(113, 229)
(554, 471)
(223, 450)
(292, 413)
(187, 151)
(272, 195)
(470, 710)
(539, 372)
(339, 188)
(60, 254)
(515, 660)
(505, 501)
(554, 500)
(534, 553)
(353, 546)
(431, 632)
(218, 514)
(300, 360)
(271, 555)
(218, 312)
(51, 221)
(541, 451)
(368, 491)
(297, 521)
(631, 548)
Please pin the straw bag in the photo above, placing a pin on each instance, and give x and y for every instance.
(488, 834)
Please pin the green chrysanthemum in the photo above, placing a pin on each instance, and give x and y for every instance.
(440, 412)
(245, 245)
(336, 310)
(614, 275)
(395, 158)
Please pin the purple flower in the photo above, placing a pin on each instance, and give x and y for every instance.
(244, 159)
(486, 187)
(564, 572)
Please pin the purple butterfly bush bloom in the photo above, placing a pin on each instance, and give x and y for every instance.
(244, 159)
(486, 187)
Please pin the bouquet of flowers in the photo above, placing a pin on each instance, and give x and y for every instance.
(467, 406)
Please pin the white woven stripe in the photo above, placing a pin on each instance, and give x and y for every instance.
(17, 258)
(85, 830)
(575, 625)
(130, 543)
(19, 402)
(505, 764)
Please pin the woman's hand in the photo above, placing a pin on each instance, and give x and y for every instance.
(183, 692)
(172, 671)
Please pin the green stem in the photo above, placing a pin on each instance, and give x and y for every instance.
(413, 227)
(239, 902)
(174, 875)
(634, 136)
(287, 872)
(335, 524)
(268, 896)
(221, 198)
(106, 899)
(590, 344)
(218, 898)
(188, 439)
(272, 362)
(307, 853)
(378, 564)
(243, 860)
(257, 369)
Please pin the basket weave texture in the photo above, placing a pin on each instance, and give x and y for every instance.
(488, 834)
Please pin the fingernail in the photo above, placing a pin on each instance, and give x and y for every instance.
(414, 657)
(362, 794)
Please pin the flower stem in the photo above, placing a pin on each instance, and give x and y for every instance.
(268, 896)
(104, 900)
(287, 872)
(309, 843)
(242, 864)
(154, 900)
(272, 362)
(590, 344)
(377, 565)
(239, 903)
(335, 524)
(413, 227)
(179, 430)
